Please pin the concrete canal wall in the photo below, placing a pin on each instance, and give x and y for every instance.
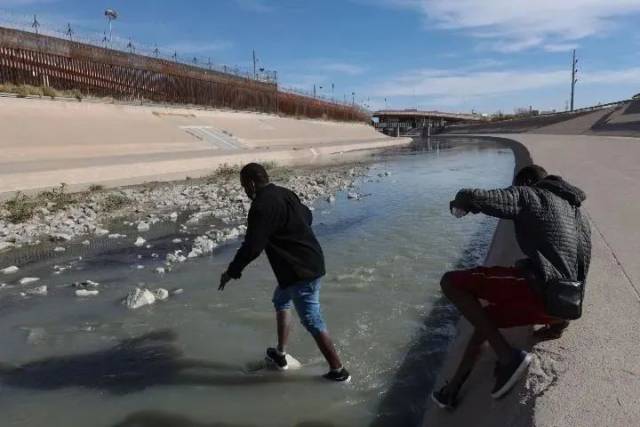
(591, 376)
(47, 142)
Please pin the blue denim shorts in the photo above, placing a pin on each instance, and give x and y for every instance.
(305, 296)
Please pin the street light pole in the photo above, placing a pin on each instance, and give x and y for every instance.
(111, 15)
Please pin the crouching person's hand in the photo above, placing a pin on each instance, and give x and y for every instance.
(456, 210)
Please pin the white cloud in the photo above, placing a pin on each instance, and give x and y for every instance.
(344, 68)
(560, 47)
(465, 84)
(515, 25)
(461, 87)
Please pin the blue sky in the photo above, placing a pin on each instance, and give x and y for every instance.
(453, 55)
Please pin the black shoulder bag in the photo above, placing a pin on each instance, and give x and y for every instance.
(563, 298)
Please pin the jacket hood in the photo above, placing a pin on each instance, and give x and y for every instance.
(562, 189)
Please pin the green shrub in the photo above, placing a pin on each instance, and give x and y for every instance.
(21, 208)
(227, 171)
(49, 91)
(75, 93)
(58, 196)
(21, 92)
(114, 201)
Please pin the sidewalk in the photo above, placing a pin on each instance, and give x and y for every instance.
(591, 376)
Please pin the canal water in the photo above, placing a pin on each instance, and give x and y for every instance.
(67, 361)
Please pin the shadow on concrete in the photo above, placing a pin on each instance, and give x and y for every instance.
(404, 403)
(130, 366)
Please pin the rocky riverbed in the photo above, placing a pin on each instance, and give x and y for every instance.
(205, 213)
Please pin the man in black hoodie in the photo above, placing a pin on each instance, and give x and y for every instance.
(556, 240)
(281, 225)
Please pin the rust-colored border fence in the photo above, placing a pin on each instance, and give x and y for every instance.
(39, 60)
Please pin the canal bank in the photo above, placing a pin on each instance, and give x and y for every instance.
(94, 142)
(591, 376)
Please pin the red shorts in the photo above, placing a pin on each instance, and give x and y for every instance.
(511, 302)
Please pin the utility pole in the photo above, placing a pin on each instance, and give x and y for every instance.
(314, 90)
(69, 32)
(255, 76)
(35, 24)
(574, 79)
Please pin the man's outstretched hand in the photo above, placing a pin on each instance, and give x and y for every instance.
(224, 279)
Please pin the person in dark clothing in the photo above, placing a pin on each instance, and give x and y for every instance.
(281, 225)
(556, 240)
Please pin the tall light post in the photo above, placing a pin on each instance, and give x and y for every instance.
(111, 15)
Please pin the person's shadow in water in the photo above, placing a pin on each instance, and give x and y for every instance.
(132, 365)
(166, 419)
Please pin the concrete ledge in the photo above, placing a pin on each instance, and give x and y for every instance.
(591, 376)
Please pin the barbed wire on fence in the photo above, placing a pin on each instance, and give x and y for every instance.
(77, 33)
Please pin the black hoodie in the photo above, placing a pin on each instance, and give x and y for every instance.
(548, 222)
(281, 225)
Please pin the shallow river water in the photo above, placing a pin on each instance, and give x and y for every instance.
(67, 361)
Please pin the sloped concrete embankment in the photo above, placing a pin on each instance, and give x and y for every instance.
(45, 143)
(591, 376)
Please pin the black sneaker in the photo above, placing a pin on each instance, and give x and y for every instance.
(278, 359)
(444, 398)
(507, 376)
(340, 376)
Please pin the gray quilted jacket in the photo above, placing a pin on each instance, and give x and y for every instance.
(548, 224)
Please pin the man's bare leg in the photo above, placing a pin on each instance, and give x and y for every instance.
(468, 361)
(328, 350)
(472, 310)
(283, 320)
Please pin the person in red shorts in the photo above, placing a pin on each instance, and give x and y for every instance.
(556, 240)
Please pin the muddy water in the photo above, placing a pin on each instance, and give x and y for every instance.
(68, 361)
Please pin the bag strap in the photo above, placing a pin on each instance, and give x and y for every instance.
(580, 252)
